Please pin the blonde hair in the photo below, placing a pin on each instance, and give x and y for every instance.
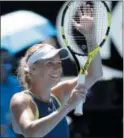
(22, 74)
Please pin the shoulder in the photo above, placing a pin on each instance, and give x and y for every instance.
(21, 102)
(20, 98)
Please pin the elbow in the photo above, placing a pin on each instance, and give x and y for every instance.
(31, 131)
(28, 134)
(28, 131)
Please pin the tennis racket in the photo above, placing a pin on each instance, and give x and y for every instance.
(80, 25)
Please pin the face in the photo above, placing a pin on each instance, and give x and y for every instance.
(48, 72)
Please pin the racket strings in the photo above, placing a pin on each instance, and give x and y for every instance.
(99, 16)
(81, 42)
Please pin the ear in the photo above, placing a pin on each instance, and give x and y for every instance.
(28, 76)
(33, 69)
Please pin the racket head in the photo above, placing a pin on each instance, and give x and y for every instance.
(68, 35)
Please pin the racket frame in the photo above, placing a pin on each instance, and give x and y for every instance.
(91, 55)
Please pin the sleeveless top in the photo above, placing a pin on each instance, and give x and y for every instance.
(43, 109)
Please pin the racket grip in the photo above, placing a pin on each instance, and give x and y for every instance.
(79, 109)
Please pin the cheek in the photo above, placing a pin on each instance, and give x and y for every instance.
(39, 73)
(60, 69)
(43, 74)
(47, 70)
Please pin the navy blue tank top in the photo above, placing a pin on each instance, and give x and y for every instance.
(44, 109)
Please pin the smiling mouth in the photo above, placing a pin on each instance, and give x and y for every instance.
(55, 76)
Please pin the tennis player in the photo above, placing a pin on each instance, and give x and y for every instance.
(40, 110)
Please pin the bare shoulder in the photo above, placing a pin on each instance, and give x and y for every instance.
(23, 110)
(19, 99)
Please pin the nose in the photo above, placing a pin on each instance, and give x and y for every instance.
(57, 66)
(57, 69)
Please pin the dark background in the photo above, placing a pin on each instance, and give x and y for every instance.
(48, 9)
(103, 110)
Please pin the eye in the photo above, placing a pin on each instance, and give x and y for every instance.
(49, 63)
(59, 63)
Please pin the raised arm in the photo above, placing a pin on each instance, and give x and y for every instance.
(87, 28)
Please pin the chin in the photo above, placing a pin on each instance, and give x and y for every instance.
(55, 81)
(52, 81)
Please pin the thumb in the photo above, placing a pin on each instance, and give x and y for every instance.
(75, 24)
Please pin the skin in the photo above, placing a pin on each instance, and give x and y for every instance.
(48, 73)
(44, 82)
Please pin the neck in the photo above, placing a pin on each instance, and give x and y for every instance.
(41, 93)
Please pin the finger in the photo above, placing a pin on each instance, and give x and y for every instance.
(85, 91)
(88, 10)
(81, 86)
(91, 12)
(80, 14)
(84, 9)
(83, 96)
(75, 24)
(82, 91)
(79, 94)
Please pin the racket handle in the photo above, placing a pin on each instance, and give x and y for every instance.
(79, 109)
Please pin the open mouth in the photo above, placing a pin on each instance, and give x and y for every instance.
(55, 76)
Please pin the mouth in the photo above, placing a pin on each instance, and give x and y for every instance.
(54, 76)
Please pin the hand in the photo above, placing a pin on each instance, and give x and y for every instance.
(86, 22)
(78, 94)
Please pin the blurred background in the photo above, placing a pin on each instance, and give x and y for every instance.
(24, 23)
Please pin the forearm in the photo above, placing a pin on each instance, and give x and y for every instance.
(93, 75)
(41, 127)
(95, 68)
(94, 71)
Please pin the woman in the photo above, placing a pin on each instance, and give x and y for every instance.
(40, 110)
(42, 70)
